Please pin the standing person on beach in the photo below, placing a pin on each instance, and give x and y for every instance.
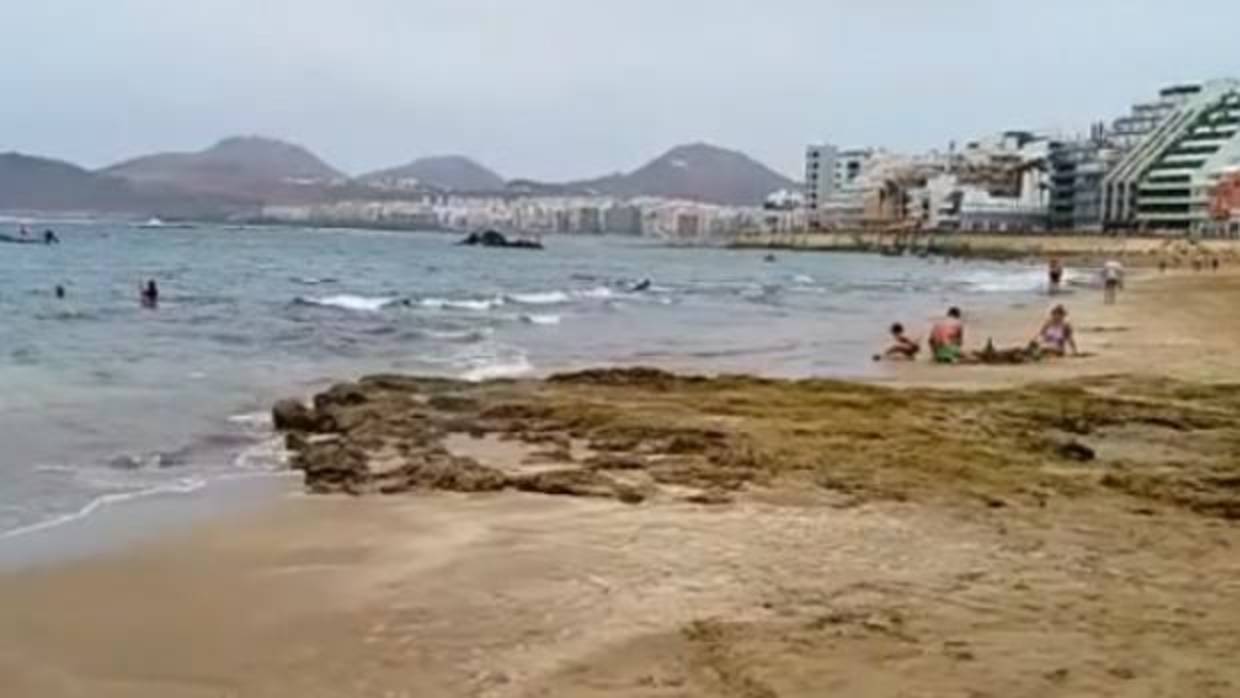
(947, 338)
(1112, 280)
(1054, 275)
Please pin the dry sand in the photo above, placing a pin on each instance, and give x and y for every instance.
(783, 593)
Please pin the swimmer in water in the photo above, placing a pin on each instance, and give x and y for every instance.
(149, 294)
(60, 291)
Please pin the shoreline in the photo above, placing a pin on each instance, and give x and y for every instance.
(1079, 248)
(780, 592)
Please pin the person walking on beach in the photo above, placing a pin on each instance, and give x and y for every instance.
(947, 338)
(1054, 275)
(1112, 280)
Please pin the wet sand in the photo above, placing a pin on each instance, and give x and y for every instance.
(784, 592)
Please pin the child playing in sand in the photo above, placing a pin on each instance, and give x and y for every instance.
(902, 348)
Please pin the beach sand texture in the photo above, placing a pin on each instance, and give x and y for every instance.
(1011, 539)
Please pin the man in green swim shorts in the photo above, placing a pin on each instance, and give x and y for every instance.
(947, 338)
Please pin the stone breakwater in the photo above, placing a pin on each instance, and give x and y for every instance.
(643, 434)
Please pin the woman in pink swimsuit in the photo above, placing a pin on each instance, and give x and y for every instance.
(1055, 336)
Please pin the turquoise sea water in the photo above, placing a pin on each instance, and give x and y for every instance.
(102, 400)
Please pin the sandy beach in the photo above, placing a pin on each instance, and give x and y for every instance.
(921, 576)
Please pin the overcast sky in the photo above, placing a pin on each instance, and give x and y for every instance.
(572, 88)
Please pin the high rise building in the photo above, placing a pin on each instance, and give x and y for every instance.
(1166, 179)
(828, 170)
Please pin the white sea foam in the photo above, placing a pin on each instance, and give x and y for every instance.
(312, 281)
(366, 304)
(597, 292)
(804, 279)
(268, 455)
(541, 298)
(180, 487)
(545, 319)
(474, 335)
(252, 419)
(999, 281)
(475, 304)
(508, 367)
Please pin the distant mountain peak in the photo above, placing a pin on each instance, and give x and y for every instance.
(699, 171)
(448, 172)
(247, 166)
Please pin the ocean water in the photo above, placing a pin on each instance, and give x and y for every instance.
(102, 401)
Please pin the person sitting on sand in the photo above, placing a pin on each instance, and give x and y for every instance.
(1055, 337)
(902, 347)
(947, 338)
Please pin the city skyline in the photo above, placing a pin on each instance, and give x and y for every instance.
(557, 91)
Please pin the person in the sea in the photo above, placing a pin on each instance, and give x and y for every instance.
(1054, 275)
(60, 291)
(947, 338)
(1055, 337)
(49, 237)
(643, 285)
(1112, 280)
(902, 348)
(149, 294)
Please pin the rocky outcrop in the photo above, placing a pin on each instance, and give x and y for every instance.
(641, 434)
(494, 238)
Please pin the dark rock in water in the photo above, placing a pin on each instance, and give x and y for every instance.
(293, 415)
(494, 238)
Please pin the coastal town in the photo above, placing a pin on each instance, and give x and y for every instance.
(1169, 165)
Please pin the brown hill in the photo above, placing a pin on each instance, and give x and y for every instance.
(447, 172)
(40, 184)
(700, 172)
(251, 168)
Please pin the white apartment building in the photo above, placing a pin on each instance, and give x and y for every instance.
(1166, 180)
(829, 169)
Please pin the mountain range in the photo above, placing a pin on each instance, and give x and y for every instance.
(241, 174)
